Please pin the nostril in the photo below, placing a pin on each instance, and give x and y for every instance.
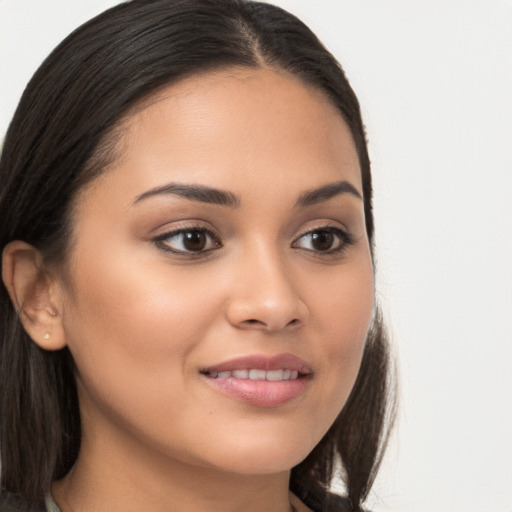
(254, 322)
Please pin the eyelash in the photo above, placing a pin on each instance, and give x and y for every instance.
(345, 239)
(161, 240)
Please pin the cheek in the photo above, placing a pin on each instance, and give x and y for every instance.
(133, 301)
(132, 325)
(343, 304)
(343, 314)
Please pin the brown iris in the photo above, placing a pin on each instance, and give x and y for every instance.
(194, 240)
(322, 240)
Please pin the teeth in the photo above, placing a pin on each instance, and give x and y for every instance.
(275, 375)
(271, 375)
(257, 374)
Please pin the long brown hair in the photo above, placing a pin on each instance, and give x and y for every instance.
(61, 137)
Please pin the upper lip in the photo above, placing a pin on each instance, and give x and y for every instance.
(262, 362)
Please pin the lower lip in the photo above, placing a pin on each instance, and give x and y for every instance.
(263, 393)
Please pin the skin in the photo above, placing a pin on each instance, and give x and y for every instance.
(141, 321)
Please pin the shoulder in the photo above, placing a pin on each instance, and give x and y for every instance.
(11, 503)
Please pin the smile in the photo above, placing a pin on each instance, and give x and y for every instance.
(254, 374)
(260, 380)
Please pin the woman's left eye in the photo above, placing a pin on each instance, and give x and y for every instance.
(188, 241)
(325, 240)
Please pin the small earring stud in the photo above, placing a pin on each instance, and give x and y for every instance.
(47, 336)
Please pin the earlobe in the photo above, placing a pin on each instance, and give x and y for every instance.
(33, 294)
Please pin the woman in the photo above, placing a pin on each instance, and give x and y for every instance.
(188, 294)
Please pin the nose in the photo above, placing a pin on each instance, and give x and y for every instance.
(264, 296)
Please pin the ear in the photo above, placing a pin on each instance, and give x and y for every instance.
(34, 294)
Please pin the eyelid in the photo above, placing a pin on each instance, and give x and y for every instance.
(159, 240)
(346, 238)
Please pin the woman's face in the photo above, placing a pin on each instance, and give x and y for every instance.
(220, 287)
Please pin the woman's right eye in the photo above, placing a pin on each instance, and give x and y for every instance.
(188, 241)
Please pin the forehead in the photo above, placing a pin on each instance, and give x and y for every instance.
(232, 127)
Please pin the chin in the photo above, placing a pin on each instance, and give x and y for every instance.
(263, 464)
(267, 455)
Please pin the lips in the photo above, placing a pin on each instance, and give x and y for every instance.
(260, 380)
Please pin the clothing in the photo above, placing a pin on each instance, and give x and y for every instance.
(51, 506)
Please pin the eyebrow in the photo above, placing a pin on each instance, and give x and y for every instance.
(318, 195)
(220, 197)
(195, 193)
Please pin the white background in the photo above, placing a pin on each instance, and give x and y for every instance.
(435, 82)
